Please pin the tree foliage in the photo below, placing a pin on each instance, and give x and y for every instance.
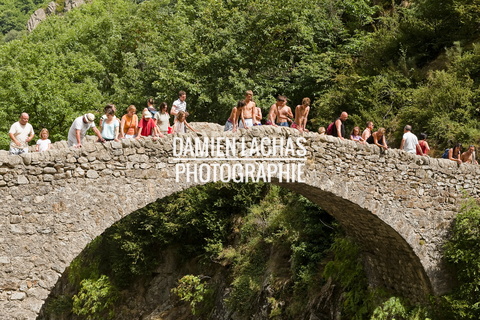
(390, 62)
(462, 251)
(191, 289)
(14, 14)
(96, 299)
(124, 52)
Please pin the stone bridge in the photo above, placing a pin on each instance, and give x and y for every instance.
(398, 206)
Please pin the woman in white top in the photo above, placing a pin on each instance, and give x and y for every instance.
(110, 126)
(163, 118)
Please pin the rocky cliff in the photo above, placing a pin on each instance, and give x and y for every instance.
(41, 14)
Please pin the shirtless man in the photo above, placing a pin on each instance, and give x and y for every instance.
(368, 131)
(257, 119)
(248, 112)
(232, 121)
(301, 115)
(469, 156)
(280, 113)
(272, 113)
(284, 114)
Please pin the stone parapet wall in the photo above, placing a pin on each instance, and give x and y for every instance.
(398, 206)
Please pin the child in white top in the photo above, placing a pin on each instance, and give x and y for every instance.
(181, 122)
(43, 144)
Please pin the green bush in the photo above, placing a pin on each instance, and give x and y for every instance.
(462, 252)
(395, 309)
(346, 268)
(96, 299)
(193, 290)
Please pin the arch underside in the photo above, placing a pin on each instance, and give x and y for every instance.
(389, 261)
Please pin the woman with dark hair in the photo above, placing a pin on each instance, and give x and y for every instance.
(163, 118)
(151, 106)
(455, 153)
(110, 126)
(422, 141)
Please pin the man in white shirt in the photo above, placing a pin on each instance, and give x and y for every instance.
(80, 127)
(180, 104)
(21, 133)
(410, 141)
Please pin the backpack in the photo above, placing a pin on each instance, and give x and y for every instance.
(445, 154)
(330, 128)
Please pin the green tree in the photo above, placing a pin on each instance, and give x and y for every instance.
(462, 251)
(96, 299)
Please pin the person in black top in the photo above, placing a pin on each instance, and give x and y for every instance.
(339, 127)
(378, 138)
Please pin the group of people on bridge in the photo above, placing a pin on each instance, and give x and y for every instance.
(410, 143)
(156, 123)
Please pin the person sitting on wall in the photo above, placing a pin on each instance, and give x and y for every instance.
(232, 121)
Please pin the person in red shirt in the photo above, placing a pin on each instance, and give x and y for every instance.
(422, 141)
(147, 126)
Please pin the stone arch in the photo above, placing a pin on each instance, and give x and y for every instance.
(389, 261)
(397, 205)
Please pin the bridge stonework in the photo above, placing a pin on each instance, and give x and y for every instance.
(397, 206)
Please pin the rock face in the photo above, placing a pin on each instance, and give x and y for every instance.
(52, 6)
(71, 4)
(41, 14)
(398, 206)
(38, 16)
